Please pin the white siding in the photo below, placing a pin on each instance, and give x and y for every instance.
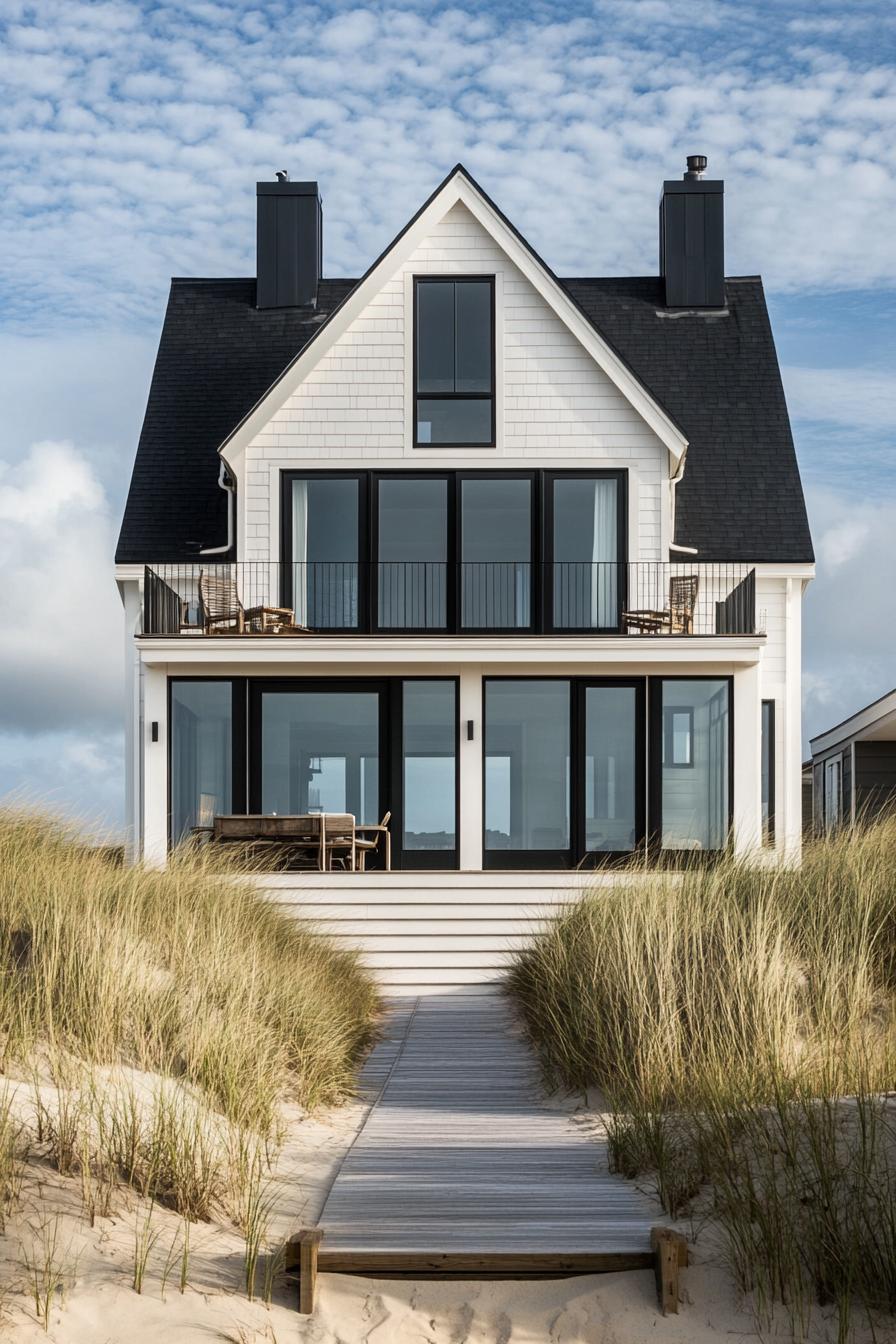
(554, 404)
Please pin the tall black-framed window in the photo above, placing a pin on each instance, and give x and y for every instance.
(585, 549)
(691, 809)
(206, 752)
(767, 768)
(425, 776)
(454, 361)
(564, 763)
(324, 548)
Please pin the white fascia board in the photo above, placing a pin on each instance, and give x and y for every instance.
(869, 717)
(458, 189)
(304, 655)
(776, 569)
(123, 573)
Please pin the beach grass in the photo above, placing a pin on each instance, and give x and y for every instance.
(187, 972)
(741, 1023)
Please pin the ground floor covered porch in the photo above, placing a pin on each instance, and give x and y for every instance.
(549, 759)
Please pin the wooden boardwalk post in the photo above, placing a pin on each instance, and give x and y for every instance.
(301, 1254)
(670, 1254)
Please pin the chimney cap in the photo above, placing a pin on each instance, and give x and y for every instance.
(282, 174)
(696, 165)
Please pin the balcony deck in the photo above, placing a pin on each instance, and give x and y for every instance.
(268, 600)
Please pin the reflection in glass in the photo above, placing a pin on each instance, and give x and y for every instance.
(496, 553)
(325, 529)
(320, 753)
(695, 802)
(201, 754)
(527, 765)
(585, 539)
(610, 720)
(454, 421)
(430, 768)
(413, 553)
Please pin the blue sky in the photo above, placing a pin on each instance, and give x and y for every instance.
(131, 140)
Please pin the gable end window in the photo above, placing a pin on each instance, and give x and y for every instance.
(454, 362)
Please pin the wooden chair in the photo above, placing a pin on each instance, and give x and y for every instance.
(338, 841)
(365, 847)
(223, 611)
(678, 617)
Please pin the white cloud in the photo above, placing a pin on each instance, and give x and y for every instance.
(61, 661)
(857, 398)
(133, 143)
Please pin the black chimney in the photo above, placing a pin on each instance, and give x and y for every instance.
(692, 239)
(289, 243)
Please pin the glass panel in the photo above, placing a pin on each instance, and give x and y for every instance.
(767, 767)
(435, 336)
(832, 797)
(695, 800)
(496, 551)
(473, 337)
(325, 525)
(585, 554)
(430, 770)
(320, 753)
(527, 765)
(413, 554)
(201, 754)
(610, 768)
(454, 421)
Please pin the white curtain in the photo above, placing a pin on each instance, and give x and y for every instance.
(603, 555)
(300, 575)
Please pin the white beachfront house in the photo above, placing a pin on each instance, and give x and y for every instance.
(516, 558)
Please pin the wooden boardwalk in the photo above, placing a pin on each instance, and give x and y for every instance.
(464, 1166)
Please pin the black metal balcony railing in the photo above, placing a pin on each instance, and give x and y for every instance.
(429, 597)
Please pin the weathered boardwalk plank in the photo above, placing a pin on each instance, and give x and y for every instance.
(461, 1156)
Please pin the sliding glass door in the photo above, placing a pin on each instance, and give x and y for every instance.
(323, 525)
(412, 572)
(496, 547)
(564, 771)
(585, 539)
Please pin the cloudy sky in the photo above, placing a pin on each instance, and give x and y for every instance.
(132, 136)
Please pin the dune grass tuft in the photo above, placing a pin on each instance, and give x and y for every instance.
(187, 972)
(741, 1022)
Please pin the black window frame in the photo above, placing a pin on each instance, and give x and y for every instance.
(491, 395)
(656, 854)
(419, 860)
(541, 547)
(576, 855)
(363, 478)
(546, 524)
(246, 752)
(239, 783)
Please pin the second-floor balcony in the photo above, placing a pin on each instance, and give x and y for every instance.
(265, 598)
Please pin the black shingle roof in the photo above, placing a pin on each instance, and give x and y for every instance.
(716, 376)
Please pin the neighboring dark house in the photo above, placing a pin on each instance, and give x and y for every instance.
(853, 767)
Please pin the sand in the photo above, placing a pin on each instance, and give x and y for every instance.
(98, 1304)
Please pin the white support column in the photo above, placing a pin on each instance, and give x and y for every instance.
(133, 760)
(790, 790)
(747, 761)
(470, 819)
(155, 783)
